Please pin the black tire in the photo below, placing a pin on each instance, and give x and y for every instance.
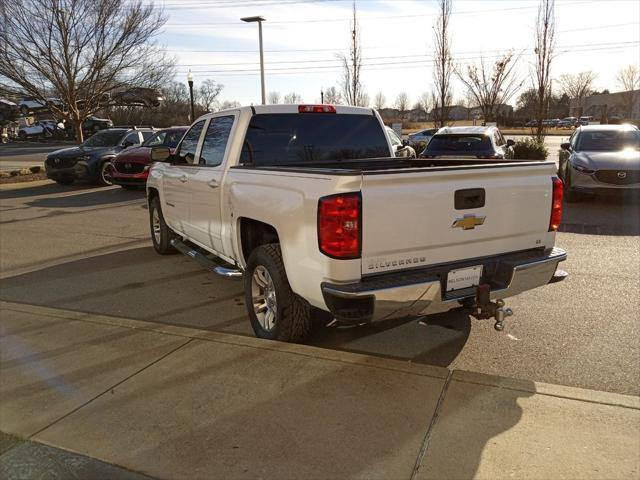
(22, 135)
(64, 181)
(161, 234)
(292, 321)
(104, 177)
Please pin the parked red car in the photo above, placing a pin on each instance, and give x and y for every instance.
(130, 167)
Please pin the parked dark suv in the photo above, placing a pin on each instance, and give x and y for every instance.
(131, 166)
(91, 160)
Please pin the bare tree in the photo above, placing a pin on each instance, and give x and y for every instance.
(351, 85)
(425, 101)
(545, 43)
(273, 98)
(491, 86)
(443, 64)
(227, 104)
(332, 96)
(80, 51)
(208, 94)
(577, 86)
(379, 101)
(402, 103)
(629, 80)
(292, 97)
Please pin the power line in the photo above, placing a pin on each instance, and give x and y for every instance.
(367, 66)
(480, 52)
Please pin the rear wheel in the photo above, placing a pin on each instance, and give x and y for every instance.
(275, 312)
(161, 234)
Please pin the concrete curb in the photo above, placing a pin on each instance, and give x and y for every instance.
(539, 388)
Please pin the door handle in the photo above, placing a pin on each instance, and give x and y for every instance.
(213, 183)
(183, 178)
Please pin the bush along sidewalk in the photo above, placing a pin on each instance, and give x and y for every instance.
(530, 149)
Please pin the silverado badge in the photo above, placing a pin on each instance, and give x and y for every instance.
(468, 222)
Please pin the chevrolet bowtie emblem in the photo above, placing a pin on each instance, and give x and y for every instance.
(468, 222)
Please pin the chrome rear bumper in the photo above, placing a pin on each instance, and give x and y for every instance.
(421, 292)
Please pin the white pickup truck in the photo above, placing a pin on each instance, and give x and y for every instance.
(308, 204)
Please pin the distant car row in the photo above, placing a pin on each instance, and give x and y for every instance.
(145, 97)
(566, 122)
(120, 155)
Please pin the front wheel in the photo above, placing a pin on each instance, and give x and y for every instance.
(275, 312)
(104, 174)
(570, 195)
(161, 234)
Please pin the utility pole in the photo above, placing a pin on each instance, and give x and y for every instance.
(321, 96)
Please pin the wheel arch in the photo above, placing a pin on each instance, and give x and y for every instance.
(254, 233)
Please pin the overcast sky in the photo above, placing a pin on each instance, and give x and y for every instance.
(302, 38)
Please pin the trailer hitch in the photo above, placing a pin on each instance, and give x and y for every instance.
(484, 308)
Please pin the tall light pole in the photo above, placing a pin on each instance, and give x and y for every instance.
(190, 82)
(259, 20)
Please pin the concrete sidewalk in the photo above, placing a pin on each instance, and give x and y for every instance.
(171, 402)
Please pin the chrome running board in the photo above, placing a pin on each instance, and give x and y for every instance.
(205, 261)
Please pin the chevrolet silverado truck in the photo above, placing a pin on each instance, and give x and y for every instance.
(308, 205)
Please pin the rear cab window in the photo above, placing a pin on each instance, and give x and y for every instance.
(299, 138)
(460, 143)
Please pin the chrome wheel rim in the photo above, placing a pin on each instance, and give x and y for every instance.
(263, 296)
(106, 173)
(155, 224)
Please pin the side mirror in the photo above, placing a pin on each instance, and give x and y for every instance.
(405, 143)
(565, 146)
(510, 143)
(160, 154)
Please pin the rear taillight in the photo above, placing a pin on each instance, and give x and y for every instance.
(339, 225)
(316, 109)
(556, 205)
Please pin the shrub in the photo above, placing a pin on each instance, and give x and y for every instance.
(530, 149)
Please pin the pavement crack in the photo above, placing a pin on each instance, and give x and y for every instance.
(429, 432)
(108, 389)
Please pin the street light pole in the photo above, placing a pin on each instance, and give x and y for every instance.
(190, 82)
(259, 20)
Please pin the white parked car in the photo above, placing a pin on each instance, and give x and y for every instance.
(44, 128)
(310, 206)
(400, 148)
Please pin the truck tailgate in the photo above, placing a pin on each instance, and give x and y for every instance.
(410, 219)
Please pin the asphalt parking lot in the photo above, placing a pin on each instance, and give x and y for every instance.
(86, 249)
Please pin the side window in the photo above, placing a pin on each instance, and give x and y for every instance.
(156, 140)
(187, 151)
(147, 135)
(132, 139)
(215, 141)
(497, 138)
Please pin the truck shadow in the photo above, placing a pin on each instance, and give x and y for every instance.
(433, 340)
(139, 284)
(93, 197)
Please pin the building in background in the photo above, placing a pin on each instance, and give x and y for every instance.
(607, 106)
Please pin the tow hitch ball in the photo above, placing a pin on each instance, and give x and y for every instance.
(484, 308)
